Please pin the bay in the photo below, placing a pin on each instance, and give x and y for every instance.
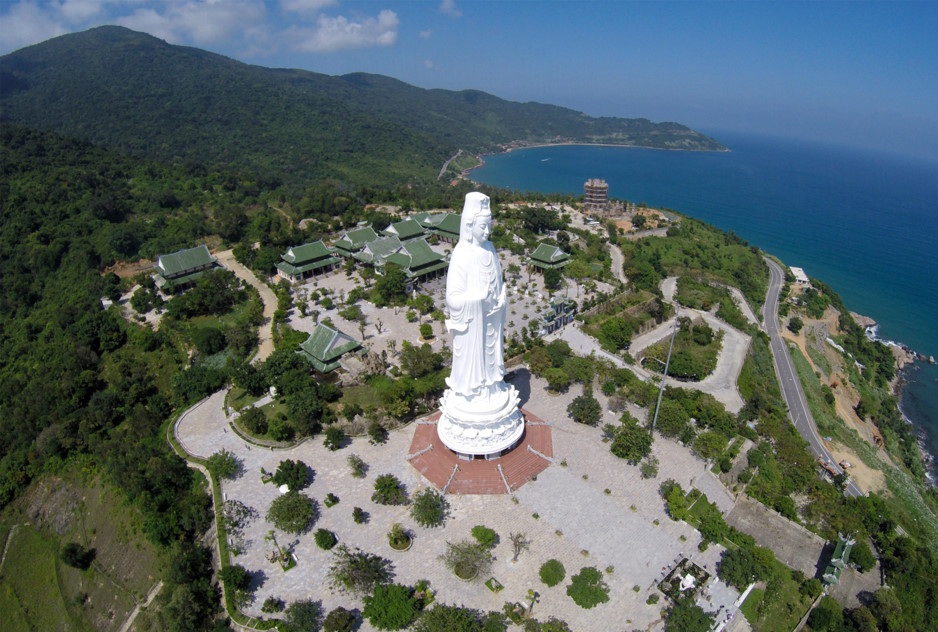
(865, 223)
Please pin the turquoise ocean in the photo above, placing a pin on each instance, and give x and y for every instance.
(865, 223)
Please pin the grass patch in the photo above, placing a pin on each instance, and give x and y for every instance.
(751, 605)
(238, 398)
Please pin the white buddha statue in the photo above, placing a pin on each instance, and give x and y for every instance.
(480, 411)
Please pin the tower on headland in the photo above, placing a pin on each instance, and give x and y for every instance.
(596, 195)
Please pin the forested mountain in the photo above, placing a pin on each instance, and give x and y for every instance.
(133, 92)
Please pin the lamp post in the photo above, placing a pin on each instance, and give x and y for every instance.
(666, 365)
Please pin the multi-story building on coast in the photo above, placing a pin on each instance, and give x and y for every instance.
(596, 196)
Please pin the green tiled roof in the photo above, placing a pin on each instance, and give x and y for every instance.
(547, 256)
(325, 346)
(405, 229)
(417, 258)
(449, 225)
(299, 255)
(184, 262)
(375, 252)
(354, 240)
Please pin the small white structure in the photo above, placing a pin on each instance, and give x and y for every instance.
(687, 582)
(800, 277)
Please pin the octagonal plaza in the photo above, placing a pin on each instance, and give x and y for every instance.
(588, 508)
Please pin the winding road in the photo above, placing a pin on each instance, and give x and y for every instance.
(792, 391)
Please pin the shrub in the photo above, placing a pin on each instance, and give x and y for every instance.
(389, 490)
(334, 438)
(430, 508)
(77, 556)
(223, 464)
(359, 515)
(552, 572)
(587, 588)
(359, 467)
(331, 500)
(443, 618)
(272, 604)
(487, 538)
(325, 539)
(390, 607)
(339, 620)
(398, 537)
(254, 420)
(585, 410)
(377, 434)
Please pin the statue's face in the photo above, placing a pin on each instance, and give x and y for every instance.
(481, 228)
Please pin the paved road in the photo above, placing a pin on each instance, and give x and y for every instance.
(788, 378)
(265, 335)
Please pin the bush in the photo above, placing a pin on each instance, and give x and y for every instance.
(325, 539)
(359, 467)
(77, 556)
(443, 618)
(339, 620)
(430, 508)
(254, 420)
(389, 490)
(487, 538)
(272, 604)
(585, 410)
(377, 434)
(301, 616)
(398, 537)
(359, 515)
(390, 607)
(587, 588)
(552, 572)
(334, 438)
(223, 464)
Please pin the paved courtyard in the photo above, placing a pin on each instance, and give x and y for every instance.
(567, 513)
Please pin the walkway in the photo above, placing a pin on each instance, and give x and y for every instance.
(265, 343)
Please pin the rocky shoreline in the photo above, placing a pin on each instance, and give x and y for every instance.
(904, 355)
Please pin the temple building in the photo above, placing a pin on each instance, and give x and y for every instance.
(179, 269)
(301, 262)
(354, 240)
(445, 226)
(547, 257)
(325, 347)
(405, 230)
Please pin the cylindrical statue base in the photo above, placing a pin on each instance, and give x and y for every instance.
(481, 425)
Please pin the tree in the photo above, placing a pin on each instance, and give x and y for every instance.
(302, 616)
(587, 588)
(390, 288)
(77, 556)
(686, 616)
(585, 410)
(223, 464)
(325, 539)
(254, 420)
(557, 380)
(389, 490)
(552, 278)
(672, 418)
(390, 607)
(377, 434)
(519, 543)
(795, 324)
(631, 442)
(418, 361)
(357, 572)
(467, 559)
(430, 508)
(649, 467)
(359, 467)
(426, 331)
(443, 618)
(738, 568)
(827, 616)
(334, 438)
(862, 556)
(237, 582)
(292, 512)
(294, 474)
(552, 572)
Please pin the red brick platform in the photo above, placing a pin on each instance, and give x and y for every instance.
(436, 462)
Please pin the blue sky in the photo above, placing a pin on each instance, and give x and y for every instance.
(862, 73)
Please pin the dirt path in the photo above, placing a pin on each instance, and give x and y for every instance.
(157, 587)
(265, 340)
(617, 261)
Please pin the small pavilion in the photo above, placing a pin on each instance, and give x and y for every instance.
(302, 262)
(325, 347)
(547, 257)
(176, 270)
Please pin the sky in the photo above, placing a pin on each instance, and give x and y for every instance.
(852, 73)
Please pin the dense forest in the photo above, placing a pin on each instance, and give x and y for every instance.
(135, 93)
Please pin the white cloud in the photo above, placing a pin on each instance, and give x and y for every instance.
(340, 33)
(306, 6)
(428, 63)
(425, 34)
(76, 11)
(27, 23)
(448, 7)
(202, 23)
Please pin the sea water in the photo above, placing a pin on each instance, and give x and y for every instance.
(865, 223)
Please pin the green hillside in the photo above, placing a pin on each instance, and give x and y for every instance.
(135, 93)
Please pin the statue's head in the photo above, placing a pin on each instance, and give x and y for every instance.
(476, 221)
